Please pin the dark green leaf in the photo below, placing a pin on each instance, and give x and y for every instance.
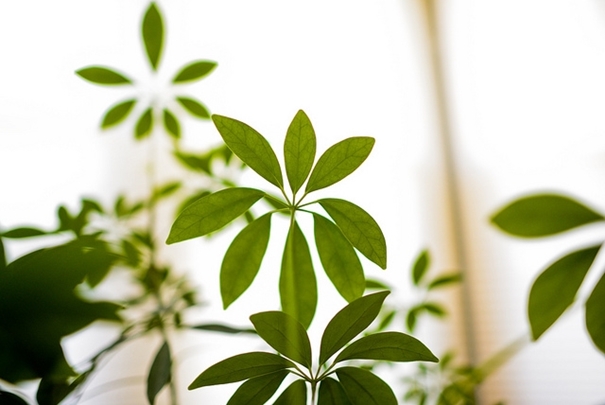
(194, 107)
(117, 113)
(241, 367)
(372, 284)
(24, 232)
(258, 390)
(103, 75)
(194, 71)
(420, 267)
(349, 322)
(339, 161)
(556, 288)
(388, 346)
(332, 393)
(153, 34)
(359, 228)
(595, 321)
(444, 280)
(7, 398)
(285, 334)
(543, 215)
(144, 124)
(295, 394)
(251, 147)
(299, 150)
(338, 259)
(297, 284)
(2, 255)
(243, 259)
(365, 388)
(171, 124)
(211, 213)
(213, 327)
(160, 372)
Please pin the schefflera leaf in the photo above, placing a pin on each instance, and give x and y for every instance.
(258, 390)
(387, 346)
(153, 34)
(595, 308)
(194, 71)
(299, 150)
(160, 372)
(171, 124)
(117, 113)
(421, 265)
(103, 75)
(144, 124)
(295, 394)
(556, 288)
(194, 107)
(332, 393)
(364, 387)
(541, 215)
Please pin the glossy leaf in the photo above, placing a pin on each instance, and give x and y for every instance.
(243, 259)
(338, 259)
(295, 394)
(349, 322)
(387, 346)
(159, 373)
(299, 150)
(332, 393)
(117, 113)
(144, 124)
(285, 334)
(258, 390)
(103, 75)
(171, 124)
(555, 289)
(194, 107)
(194, 71)
(421, 265)
(8, 398)
(595, 321)
(444, 280)
(213, 327)
(297, 284)
(153, 34)
(339, 161)
(359, 227)
(543, 215)
(251, 147)
(211, 213)
(365, 388)
(24, 232)
(241, 367)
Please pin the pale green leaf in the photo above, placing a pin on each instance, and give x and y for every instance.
(103, 75)
(387, 346)
(332, 393)
(295, 394)
(160, 373)
(144, 124)
(258, 390)
(421, 265)
(299, 150)
(595, 321)
(365, 388)
(153, 34)
(444, 280)
(194, 107)
(117, 113)
(194, 71)
(171, 124)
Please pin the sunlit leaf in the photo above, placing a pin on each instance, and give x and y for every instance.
(332, 393)
(365, 388)
(24, 232)
(339, 161)
(595, 321)
(338, 259)
(194, 107)
(555, 289)
(213, 327)
(171, 124)
(444, 280)
(258, 390)
(144, 124)
(295, 394)
(160, 373)
(297, 284)
(117, 113)
(251, 147)
(212, 212)
(420, 267)
(243, 259)
(543, 215)
(153, 34)
(103, 75)
(8, 398)
(299, 150)
(349, 322)
(387, 346)
(194, 71)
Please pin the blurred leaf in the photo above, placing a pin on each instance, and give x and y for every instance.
(210, 213)
(372, 284)
(52, 391)
(338, 259)
(251, 147)
(243, 259)
(165, 190)
(241, 367)
(297, 284)
(543, 215)
(153, 34)
(117, 113)
(213, 327)
(258, 390)
(160, 372)
(2, 255)
(299, 150)
(332, 393)
(171, 124)
(144, 124)
(411, 318)
(339, 161)
(191, 199)
(359, 227)
(434, 309)
(349, 322)
(444, 280)
(295, 394)
(131, 253)
(24, 232)
(7, 398)
(386, 320)
(276, 203)
(194, 107)
(595, 308)
(555, 289)
(103, 75)
(194, 71)
(387, 346)
(365, 388)
(285, 334)
(420, 267)
(195, 162)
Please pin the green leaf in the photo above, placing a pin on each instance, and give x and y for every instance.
(338, 259)
(332, 393)
(386, 320)
(359, 228)
(339, 161)
(595, 308)
(411, 318)
(211, 213)
(251, 147)
(241, 367)
(144, 124)
(285, 334)
(349, 322)
(160, 372)
(444, 280)
(194, 71)
(213, 327)
(420, 267)
(165, 190)
(243, 259)
(556, 288)
(434, 309)
(295, 394)
(103, 75)
(299, 150)
(258, 390)
(117, 113)
(543, 215)
(387, 346)
(365, 388)
(24, 232)
(372, 284)
(153, 34)
(297, 284)
(171, 124)
(2, 255)
(7, 398)
(194, 107)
